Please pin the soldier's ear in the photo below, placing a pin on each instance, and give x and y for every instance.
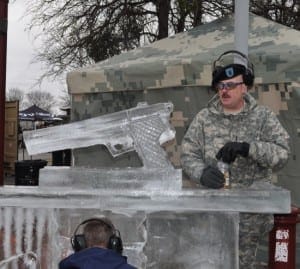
(244, 88)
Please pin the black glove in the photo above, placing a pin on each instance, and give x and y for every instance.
(212, 178)
(229, 152)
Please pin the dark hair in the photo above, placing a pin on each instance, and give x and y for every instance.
(98, 232)
(223, 72)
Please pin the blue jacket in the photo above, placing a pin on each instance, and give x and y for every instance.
(95, 258)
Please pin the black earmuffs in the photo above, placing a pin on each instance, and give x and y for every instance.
(78, 241)
(219, 72)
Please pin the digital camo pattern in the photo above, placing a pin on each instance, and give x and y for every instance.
(252, 228)
(212, 129)
(269, 150)
(282, 98)
(178, 69)
(186, 59)
(187, 102)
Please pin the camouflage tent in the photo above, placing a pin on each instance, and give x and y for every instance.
(186, 58)
(178, 69)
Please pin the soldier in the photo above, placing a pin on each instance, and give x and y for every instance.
(234, 129)
(100, 246)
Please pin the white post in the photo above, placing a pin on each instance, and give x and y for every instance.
(241, 26)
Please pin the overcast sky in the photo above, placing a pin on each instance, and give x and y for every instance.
(20, 50)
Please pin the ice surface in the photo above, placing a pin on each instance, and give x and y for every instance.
(123, 178)
(165, 241)
(267, 199)
(142, 129)
(162, 225)
(29, 235)
(211, 216)
(160, 228)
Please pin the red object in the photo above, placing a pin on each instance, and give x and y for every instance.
(3, 45)
(282, 240)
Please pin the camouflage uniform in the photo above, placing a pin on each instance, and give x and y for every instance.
(269, 151)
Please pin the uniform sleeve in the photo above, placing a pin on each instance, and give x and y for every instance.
(192, 150)
(271, 149)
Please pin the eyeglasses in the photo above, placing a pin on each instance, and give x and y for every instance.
(228, 85)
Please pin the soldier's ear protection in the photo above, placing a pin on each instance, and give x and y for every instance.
(78, 241)
(248, 75)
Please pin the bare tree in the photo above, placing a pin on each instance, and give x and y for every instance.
(163, 9)
(64, 100)
(286, 12)
(44, 100)
(15, 94)
(75, 33)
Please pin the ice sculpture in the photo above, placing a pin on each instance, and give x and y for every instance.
(162, 224)
(143, 128)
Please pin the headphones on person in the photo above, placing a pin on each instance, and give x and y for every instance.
(248, 75)
(78, 241)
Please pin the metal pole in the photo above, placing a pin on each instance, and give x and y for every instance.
(3, 48)
(241, 26)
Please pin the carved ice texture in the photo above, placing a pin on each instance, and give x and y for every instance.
(162, 224)
(28, 234)
(143, 128)
(160, 228)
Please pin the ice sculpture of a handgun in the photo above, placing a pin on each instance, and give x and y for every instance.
(142, 128)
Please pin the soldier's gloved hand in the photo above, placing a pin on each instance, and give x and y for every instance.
(230, 150)
(212, 178)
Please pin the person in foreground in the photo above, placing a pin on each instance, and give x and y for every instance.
(234, 129)
(100, 246)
